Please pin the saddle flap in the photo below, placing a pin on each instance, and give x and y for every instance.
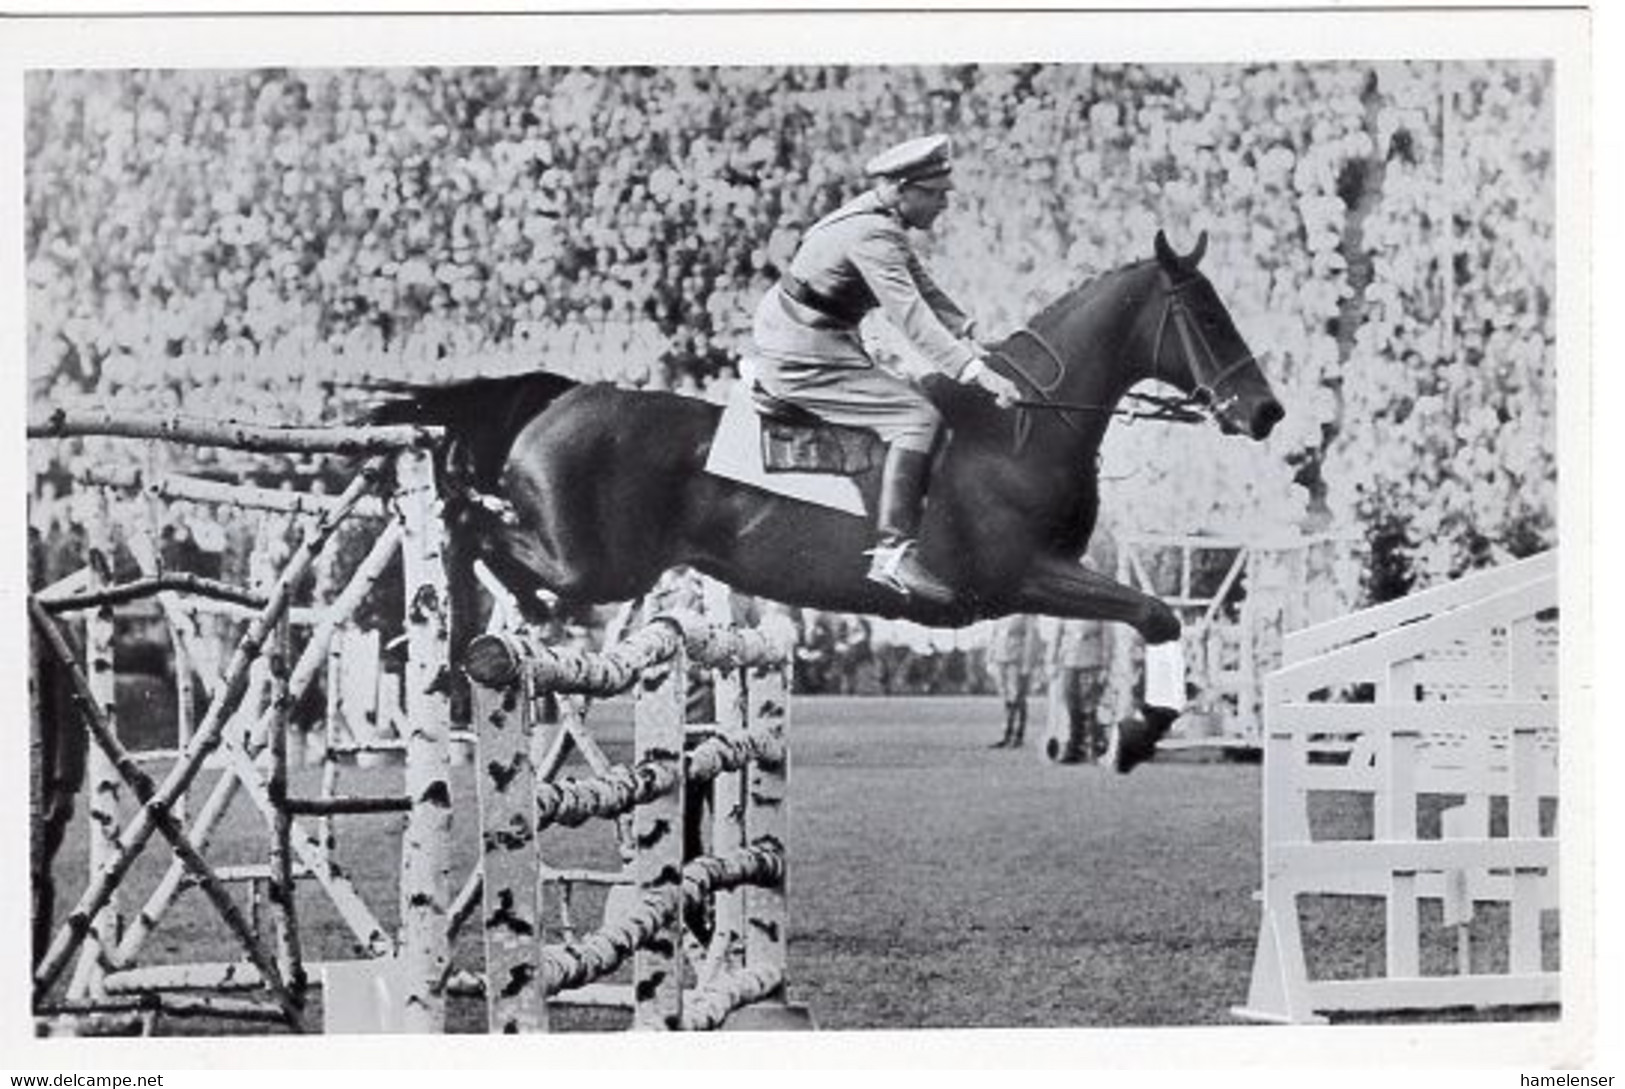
(796, 441)
(737, 451)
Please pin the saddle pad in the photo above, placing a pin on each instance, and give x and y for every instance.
(736, 454)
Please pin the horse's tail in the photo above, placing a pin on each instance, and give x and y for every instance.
(473, 402)
(482, 416)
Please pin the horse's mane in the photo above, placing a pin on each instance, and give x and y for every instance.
(1079, 294)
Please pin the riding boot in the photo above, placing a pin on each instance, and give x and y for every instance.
(895, 559)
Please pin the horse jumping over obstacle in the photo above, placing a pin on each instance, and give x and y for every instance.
(599, 489)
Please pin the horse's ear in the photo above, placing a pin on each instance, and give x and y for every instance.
(1195, 257)
(1165, 253)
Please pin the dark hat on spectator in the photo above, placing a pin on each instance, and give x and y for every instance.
(922, 161)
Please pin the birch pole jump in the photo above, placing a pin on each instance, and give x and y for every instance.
(395, 483)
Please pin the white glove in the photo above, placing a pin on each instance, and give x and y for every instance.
(1002, 389)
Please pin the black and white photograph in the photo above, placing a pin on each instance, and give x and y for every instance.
(802, 525)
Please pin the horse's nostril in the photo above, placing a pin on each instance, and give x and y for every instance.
(1265, 417)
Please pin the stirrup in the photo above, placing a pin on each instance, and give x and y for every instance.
(886, 568)
(885, 560)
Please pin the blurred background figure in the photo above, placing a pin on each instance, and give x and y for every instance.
(1015, 654)
(1077, 662)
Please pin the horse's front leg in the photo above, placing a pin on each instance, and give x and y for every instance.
(1058, 587)
(1065, 588)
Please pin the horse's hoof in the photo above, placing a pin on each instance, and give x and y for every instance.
(1134, 741)
(1162, 626)
(1159, 719)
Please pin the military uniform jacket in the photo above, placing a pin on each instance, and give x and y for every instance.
(1015, 641)
(854, 260)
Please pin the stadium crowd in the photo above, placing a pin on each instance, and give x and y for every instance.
(254, 244)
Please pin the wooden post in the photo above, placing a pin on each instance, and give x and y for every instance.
(426, 846)
(730, 827)
(103, 798)
(1523, 801)
(504, 722)
(1395, 817)
(657, 829)
(282, 885)
(767, 817)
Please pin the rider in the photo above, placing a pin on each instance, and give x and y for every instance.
(809, 353)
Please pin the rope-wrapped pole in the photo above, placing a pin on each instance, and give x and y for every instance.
(708, 1007)
(498, 659)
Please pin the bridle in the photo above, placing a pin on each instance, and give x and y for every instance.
(1199, 354)
(1199, 404)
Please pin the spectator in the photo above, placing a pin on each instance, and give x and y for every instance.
(1015, 656)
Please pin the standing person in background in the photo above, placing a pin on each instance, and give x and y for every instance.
(1078, 661)
(854, 653)
(1015, 654)
(808, 352)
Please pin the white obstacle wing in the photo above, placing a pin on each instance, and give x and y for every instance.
(1439, 712)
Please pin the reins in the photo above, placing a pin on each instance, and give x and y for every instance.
(1166, 409)
(1189, 408)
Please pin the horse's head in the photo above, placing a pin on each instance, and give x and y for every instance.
(1195, 347)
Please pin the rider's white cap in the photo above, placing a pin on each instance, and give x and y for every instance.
(924, 161)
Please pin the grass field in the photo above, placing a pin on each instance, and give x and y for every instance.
(934, 882)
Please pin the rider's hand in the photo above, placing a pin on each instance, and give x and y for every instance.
(1003, 390)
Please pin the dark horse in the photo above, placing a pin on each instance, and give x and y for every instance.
(605, 490)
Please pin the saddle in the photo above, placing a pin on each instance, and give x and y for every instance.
(786, 450)
(794, 440)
